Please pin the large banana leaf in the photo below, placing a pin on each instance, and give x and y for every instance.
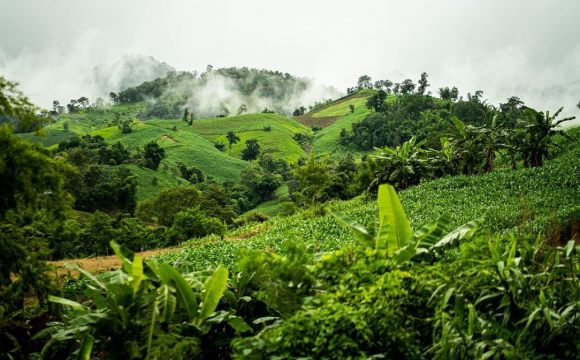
(188, 298)
(73, 304)
(136, 273)
(86, 348)
(359, 231)
(423, 238)
(166, 303)
(399, 229)
(460, 233)
(214, 289)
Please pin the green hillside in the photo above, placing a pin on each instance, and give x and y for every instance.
(505, 200)
(148, 187)
(251, 126)
(94, 118)
(48, 137)
(184, 145)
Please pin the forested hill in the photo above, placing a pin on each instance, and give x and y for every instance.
(222, 92)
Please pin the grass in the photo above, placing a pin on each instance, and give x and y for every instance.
(508, 201)
(89, 120)
(251, 126)
(341, 108)
(50, 138)
(147, 188)
(184, 145)
(326, 141)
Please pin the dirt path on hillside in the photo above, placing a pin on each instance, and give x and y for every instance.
(105, 263)
(308, 119)
(167, 137)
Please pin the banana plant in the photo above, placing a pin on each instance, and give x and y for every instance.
(539, 128)
(402, 166)
(394, 237)
(143, 308)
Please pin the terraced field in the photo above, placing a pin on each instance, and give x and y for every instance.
(184, 145)
(251, 126)
(329, 114)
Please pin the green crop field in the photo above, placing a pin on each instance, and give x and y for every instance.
(183, 145)
(49, 138)
(251, 126)
(507, 200)
(88, 120)
(341, 108)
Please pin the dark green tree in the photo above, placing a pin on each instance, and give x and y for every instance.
(220, 145)
(423, 84)
(251, 151)
(153, 155)
(232, 139)
(186, 115)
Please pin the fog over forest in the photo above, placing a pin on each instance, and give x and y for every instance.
(524, 48)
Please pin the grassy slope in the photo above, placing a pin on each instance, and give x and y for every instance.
(326, 141)
(506, 199)
(86, 121)
(147, 189)
(49, 138)
(251, 126)
(188, 147)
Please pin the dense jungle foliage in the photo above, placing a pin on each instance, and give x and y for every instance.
(456, 239)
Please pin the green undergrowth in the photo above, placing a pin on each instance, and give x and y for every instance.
(530, 199)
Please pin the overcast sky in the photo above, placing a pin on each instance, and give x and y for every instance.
(529, 48)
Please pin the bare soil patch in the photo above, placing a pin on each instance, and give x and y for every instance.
(167, 137)
(309, 120)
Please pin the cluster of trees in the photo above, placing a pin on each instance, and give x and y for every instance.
(396, 119)
(171, 94)
(470, 149)
(405, 87)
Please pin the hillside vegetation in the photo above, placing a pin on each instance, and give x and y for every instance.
(278, 140)
(525, 199)
(184, 145)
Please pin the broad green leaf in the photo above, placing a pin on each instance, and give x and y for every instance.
(136, 273)
(359, 231)
(239, 325)
(460, 233)
(86, 348)
(124, 254)
(122, 294)
(166, 303)
(459, 125)
(382, 237)
(87, 274)
(570, 247)
(431, 233)
(186, 294)
(73, 304)
(399, 228)
(149, 330)
(214, 289)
